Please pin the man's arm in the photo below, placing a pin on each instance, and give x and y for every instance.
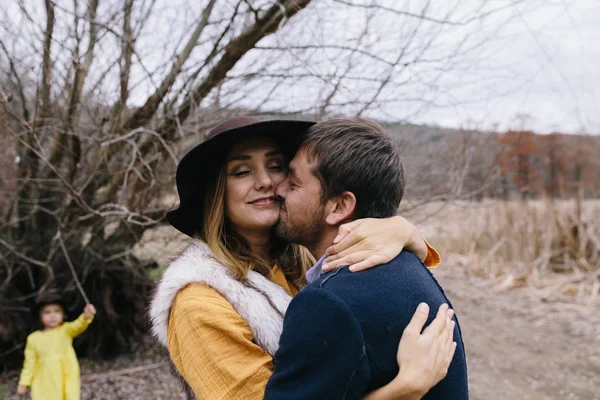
(321, 351)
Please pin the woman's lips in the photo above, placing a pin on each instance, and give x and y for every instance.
(266, 202)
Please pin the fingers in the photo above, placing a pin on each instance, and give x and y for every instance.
(350, 246)
(451, 352)
(345, 229)
(449, 346)
(450, 324)
(369, 262)
(357, 260)
(417, 322)
(343, 259)
(344, 247)
(436, 328)
(447, 334)
(89, 309)
(22, 389)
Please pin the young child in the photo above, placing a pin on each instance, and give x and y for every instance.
(51, 367)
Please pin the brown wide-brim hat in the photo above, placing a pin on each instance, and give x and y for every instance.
(202, 163)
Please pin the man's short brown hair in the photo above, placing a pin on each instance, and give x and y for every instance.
(357, 155)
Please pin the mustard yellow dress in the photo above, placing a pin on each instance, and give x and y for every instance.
(51, 367)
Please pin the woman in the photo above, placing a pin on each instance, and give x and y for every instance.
(219, 307)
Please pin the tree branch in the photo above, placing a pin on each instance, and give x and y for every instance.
(237, 47)
(147, 111)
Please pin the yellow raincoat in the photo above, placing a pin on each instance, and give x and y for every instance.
(51, 367)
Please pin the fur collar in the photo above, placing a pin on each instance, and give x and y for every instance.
(259, 301)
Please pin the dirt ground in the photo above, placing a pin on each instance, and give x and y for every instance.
(518, 347)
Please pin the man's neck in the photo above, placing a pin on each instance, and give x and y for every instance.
(318, 249)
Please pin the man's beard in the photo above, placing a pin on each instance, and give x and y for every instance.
(305, 232)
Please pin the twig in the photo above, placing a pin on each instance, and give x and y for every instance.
(125, 371)
(66, 253)
(23, 256)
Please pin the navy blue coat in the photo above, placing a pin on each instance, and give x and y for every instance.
(341, 333)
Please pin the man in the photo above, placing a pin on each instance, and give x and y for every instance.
(341, 332)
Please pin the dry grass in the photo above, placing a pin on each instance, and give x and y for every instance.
(552, 246)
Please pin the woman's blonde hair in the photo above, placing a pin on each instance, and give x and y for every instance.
(232, 249)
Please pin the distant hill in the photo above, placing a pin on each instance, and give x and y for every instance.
(449, 163)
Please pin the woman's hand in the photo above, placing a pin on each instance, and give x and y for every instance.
(22, 389)
(368, 242)
(89, 311)
(423, 356)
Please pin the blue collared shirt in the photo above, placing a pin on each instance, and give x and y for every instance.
(315, 272)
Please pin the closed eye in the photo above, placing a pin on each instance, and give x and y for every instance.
(276, 164)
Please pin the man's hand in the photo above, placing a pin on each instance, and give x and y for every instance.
(89, 311)
(368, 242)
(22, 389)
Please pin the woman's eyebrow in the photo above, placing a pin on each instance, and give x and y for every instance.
(246, 157)
(241, 157)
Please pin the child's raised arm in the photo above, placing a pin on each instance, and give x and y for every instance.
(89, 311)
(78, 326)
(28, 367)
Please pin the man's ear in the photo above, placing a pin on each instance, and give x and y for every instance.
(340, 208)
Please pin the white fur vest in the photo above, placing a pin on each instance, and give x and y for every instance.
(259, 301)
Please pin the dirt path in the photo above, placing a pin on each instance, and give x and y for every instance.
(518, 347)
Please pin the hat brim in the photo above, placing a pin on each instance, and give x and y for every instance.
(201, 163)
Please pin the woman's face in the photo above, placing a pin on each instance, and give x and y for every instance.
(254, 169)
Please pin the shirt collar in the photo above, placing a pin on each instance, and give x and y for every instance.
(315, 272)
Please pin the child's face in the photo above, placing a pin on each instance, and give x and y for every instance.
(51, 315)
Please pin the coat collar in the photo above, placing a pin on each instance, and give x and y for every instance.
(259, 301)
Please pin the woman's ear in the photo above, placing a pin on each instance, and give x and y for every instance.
(340, 209)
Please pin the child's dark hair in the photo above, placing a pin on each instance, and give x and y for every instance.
(47, 299)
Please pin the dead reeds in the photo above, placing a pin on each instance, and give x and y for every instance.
(550, 245)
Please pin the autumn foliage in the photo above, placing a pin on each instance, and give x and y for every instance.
(555, 165)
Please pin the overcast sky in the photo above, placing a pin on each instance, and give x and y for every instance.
(540, 70)
(557, 50)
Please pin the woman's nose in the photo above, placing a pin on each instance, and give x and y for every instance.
(263, 181)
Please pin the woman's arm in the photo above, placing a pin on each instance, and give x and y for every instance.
(212, 347)
(368, 242)
(423, 358)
